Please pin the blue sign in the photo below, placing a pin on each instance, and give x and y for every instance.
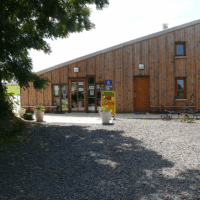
(108, 82)
(101, 89)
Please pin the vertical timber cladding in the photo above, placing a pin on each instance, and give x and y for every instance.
(197, 70)
(47, 92)
(32, 96)
(141, 92)
(119, 86)
(190, 81)
(24, 96)
(128, 79)
(40, 94)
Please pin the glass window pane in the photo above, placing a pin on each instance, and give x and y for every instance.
(80, 95)
(180, 84)
(81, 106)
(64, 92)
(91, 108)
(81, 89)
(65, 104)
(74, 101)
(56, 101)
(98, 95)
(81, 83)
(56, 91)
(91, 92)
(74, 86)
(91, 101)
(180, 93)
(179, 48)
(98, 102)
(91, 80)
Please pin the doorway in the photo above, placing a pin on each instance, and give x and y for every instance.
(77, 95)
(141, 94)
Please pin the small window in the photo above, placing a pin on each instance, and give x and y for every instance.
(180, 88)
(180, 49)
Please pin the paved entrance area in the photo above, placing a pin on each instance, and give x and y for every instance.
(94, 118)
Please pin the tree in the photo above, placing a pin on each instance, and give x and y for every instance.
(25, 24)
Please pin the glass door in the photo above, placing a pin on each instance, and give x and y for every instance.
(77, 95)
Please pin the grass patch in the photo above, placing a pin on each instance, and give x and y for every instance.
(14, 89)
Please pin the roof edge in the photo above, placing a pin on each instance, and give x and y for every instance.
(119, 46)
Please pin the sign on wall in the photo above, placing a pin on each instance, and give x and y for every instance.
(108, 99)
(108, 82)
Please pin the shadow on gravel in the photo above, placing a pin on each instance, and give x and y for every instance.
(79, 162)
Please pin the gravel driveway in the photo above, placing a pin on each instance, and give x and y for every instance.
(130, 159)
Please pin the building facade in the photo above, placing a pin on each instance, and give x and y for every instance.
(161, 69)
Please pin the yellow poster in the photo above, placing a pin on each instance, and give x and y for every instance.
(108, 99)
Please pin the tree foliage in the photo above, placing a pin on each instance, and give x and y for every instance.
(25, 24)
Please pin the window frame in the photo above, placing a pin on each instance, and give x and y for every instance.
(87, 90)
(184, 48)
(60, 96)
(176, 80)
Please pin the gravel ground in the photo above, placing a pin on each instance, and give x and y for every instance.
(130, 159)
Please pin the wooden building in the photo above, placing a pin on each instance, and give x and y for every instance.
(161, 69)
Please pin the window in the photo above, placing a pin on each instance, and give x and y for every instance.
(91, 93)
(180, 88)
(180, 49)
(99, 88)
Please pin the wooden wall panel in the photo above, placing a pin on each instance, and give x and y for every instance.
(162, 70)
(109, 67)
(144, 59)
(32, 96)
(179, 35)
(56, 76)
(190, 34)
(180, 105)
(128, 79)
(71, 72)
(137, 59)
(91, 66)
(24, 97)
(40, 94)
(100, 68)
(133, 73)
(181, 67)
(197, 64)
(152, 65)
(169, 66)
(82, 68)
(48, 93)
(64, 75)
(119, 76)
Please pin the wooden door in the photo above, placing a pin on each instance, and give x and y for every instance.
(141, 94)
(77, 95)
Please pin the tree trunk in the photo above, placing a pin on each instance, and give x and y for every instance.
(4, 108)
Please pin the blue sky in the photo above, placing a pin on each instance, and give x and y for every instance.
(120, 22)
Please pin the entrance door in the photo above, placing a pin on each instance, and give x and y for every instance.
(141, 94)
(77, 95)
